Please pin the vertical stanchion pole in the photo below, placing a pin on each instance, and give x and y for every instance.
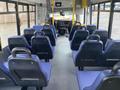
(17, 18)
(53, 5)
(84, 6)
(74, 11)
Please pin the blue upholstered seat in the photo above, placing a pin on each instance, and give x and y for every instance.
(18, 41)
(86, 78)
(28, 33)
(99, 80)
(103, 36)
(38, 27)
(78, 37)
(91, 28)
(21, 64)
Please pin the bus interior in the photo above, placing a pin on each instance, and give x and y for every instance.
(59, 45)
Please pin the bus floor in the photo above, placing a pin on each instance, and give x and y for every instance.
(63, 75)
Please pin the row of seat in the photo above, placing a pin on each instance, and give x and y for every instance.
(81, 35)
(92, 47)
(24, 55)
(91, 53)
(49, 31)
(90, 28)
(108, 79)
(17, 70)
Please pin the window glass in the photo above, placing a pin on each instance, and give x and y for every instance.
(32, 19)
(23, 22)
(104, 19)
(117, 6)
(107, 6)
(7, 27)
(96, 7)
(3, 7)
(20, 8)
(93, 8)
(11, 7)
(25, 8)
(33, 8)
(101, 6)
(30, 8)
(94, 15)
(116, 25)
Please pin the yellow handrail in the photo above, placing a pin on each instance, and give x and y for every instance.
(53, 5)
(84, 3)
(74, 11)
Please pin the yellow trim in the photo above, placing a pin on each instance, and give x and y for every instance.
(84, 3)
(74, 11)
(53, 5)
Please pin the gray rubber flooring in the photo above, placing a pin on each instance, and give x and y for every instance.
(63, 76)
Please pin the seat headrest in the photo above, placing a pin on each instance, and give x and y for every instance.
(101, 32)
(93, 37)
(91, 27)
(78, 23)
(29, 31)
(39, 33)
(20, 50)
(116, 68)
(46, 26)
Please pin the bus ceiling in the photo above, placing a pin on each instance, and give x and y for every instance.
(28, 1)
(101, 1)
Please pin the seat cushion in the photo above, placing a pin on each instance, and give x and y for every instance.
(74, 53)
(46, 68)
(86, 78)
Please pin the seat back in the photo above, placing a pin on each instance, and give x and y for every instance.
(91, 28)
(78, 37)
(23, 65)
(42, 47)
(112, 50)
(93, 37)
(90, 50)
(17, 41)
(38, 27)
(48, 32)
(74, 28)
(54, 30)
(28, 33)
(103, 35)
(6, 78)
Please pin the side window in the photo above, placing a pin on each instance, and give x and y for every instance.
(3, 7)
(7, 23)
(116, 23)
(94, 15)
(104, 16)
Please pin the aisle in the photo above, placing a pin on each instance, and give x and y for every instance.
(63, 75)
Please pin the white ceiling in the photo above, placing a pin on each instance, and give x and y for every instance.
(31, 1)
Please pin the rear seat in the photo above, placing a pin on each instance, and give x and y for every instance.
(78, 37)
(103, 36)
(112, 52)
(48, 32)
(41, 46)
(74, 28)
(28, 33)
(91, 28)
(38, 27)
(89, 53)
(18, 41)
(22, 65)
